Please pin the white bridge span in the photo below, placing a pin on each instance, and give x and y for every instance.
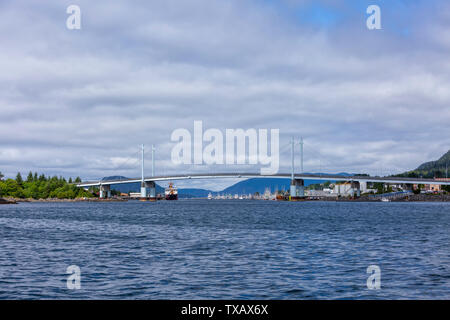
(393, 180)
(148, 186)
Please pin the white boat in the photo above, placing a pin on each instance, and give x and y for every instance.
(385, 200)
(210, 196)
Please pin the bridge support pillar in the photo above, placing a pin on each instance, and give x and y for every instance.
(105, 191)
(356, 185)
(148, 190)
(151, 190)
(297, 189)
(143, 190)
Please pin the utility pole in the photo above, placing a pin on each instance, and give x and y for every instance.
(153, 160)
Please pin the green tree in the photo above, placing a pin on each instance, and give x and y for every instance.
(379, 186)
(19, 179)
(78, 180)
(30, 177)
(418, 189)
(1, 176)
(2, 188)
(12, 188)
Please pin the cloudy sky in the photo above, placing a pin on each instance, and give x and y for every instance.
(80, 102)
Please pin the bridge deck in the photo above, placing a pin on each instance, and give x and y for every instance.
(396, 180)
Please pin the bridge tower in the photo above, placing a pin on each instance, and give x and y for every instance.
(297, 188)
(301, 155)
(153, 160)
(143, 187)
(148, 188)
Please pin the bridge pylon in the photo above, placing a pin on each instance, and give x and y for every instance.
(148, 188)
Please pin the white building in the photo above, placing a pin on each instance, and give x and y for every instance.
(345, 189)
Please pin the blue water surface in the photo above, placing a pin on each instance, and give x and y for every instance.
(225, 249)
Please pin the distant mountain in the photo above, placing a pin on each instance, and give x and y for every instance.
(133, 187)
(260, 184)
(431, 169)
(128, 187)
(436, 165)
(194, 193)
(257, 185)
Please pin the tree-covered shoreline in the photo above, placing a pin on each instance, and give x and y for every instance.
(41, 187)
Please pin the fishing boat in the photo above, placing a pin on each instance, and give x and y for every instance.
(171, 193)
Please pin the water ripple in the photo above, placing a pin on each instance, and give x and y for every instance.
(199, 249)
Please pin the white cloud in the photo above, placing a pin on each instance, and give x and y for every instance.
(80, 102)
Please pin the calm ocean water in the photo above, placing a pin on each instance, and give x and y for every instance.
(225, 249)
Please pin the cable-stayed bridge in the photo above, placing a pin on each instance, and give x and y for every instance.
(148, 186)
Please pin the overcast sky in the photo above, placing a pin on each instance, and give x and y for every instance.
(80, 102)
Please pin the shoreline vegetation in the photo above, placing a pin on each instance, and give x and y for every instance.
(39, 188)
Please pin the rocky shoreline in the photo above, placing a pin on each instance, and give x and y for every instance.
(55, 200)
(411, 198)
(426, 198)
(4, 201)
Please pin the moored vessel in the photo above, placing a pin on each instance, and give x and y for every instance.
(171, 193)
